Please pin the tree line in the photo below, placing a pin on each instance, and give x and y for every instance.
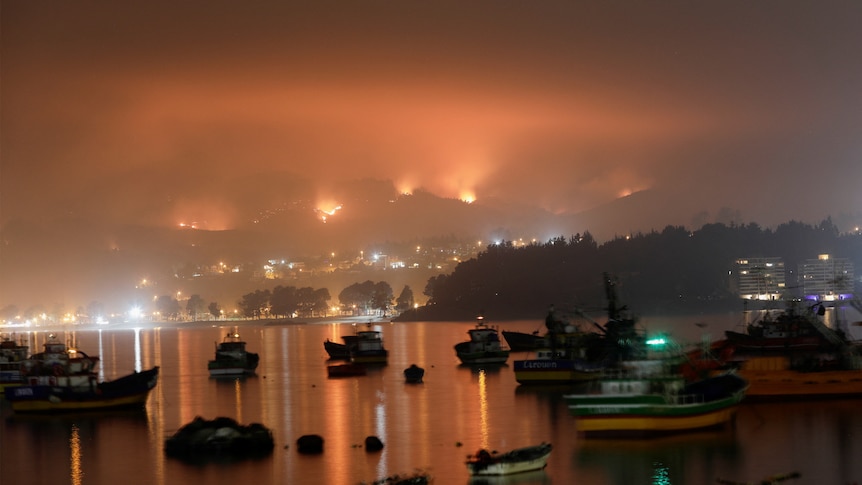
(672, 271)
(291, 302)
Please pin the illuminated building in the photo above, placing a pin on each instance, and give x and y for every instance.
(760, 278)
(827, 278)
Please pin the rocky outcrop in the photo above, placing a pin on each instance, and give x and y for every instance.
(310, 444)
(220, 437)
(373, 443)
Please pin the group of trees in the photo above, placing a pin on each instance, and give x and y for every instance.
(356, 299)
(285, 301)
(280, 302)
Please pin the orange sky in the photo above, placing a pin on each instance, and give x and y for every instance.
(150, 111)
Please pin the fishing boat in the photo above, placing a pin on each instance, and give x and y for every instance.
(520, 460)
(12, 355)
(572, 355)
(647, 397)
(787, 330)
(348, 369)
(369, 347)
(57, 360)
(340, 351)
(63, 379)
(484, 346)
(556, 331)
(414, 374)
(795, 356)
(81, 393)
(559, 359)
(232, 358)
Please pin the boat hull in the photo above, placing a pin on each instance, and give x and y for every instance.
(230, 371)
(486, 357)
(497, 469)
(655, 421)
(372, 357)
(558, 371)
(233, 367)
(770, 378)
(521, 342)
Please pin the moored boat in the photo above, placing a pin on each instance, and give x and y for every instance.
(559, 359)
(232, 358)
(787, 330)
(62, 378)
(520, 460)
(646, 397)
(571, 355)
(57, 360)
(484, 346)
(369, 347)
(796, 356)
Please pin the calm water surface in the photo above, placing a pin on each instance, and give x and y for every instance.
(430, 427)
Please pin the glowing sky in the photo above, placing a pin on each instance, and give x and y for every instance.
(149, 111)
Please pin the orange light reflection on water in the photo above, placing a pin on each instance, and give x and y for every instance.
(483, 407)
(75, 472)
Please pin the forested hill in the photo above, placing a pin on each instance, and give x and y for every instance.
(672, 271)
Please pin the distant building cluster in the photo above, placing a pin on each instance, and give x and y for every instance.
(825, 278)
(441, 258)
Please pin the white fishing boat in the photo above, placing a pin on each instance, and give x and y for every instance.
(484, 346)
(520, 460)
(232, 358)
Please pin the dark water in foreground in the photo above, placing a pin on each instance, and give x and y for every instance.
(430, 427)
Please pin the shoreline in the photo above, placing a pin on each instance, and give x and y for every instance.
(269, 322)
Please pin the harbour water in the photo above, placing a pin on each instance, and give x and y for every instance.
(429, 427)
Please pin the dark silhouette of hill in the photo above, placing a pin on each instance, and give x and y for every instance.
(667, 272)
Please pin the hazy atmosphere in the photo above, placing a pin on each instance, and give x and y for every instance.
(218, 114)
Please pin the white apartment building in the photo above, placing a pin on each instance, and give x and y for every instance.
(760, 278)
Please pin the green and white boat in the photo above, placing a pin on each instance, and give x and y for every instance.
(649, 397)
